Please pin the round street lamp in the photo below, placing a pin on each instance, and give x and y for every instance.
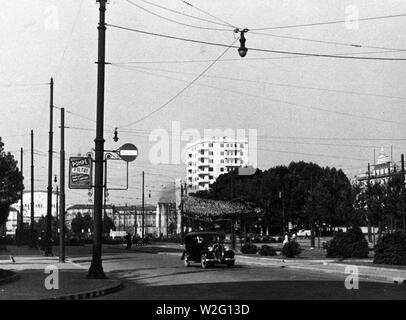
(242, 50)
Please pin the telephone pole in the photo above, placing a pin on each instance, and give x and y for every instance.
(143, 207)
(21, 227)
(402, 163)
(57, 204)
(369, 195)
(62, 191)
(32, 190)
(182, 235)
(96, 267)
(48, 245)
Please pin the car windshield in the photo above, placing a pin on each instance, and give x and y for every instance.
(208, 238)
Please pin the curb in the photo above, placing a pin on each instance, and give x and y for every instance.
(313, 267)
(369, 267)
(89, 294)
(280, 260)
(401, 279)
(11, 278)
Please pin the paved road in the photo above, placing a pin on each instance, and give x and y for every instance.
(148, 274)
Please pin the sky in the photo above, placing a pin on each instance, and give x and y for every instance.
(334, 112)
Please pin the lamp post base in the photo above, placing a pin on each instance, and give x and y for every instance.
(96, 271)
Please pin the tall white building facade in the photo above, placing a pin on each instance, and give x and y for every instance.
(208, 158)
(40, 209)
(380, 171)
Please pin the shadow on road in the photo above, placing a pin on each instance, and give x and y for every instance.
(261, 290)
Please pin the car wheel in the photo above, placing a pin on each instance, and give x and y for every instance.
(186, 262)
(204, 262)
(230, 264)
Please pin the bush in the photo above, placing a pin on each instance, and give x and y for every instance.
(267, 251)
(391, 249)
(113, 241)
(249, 248)
(291, 249)
(7, 240)
(350, 244)
(74, 242)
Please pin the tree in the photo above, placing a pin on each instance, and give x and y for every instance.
(108, 224)
(77, 224)
(375, 200)
(40, 226)
(304, 177)
(333, 198)
(394, 201)
(11, 183)
(88, 223)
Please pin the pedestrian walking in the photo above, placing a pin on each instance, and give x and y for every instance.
(128, 240)
(286, 239)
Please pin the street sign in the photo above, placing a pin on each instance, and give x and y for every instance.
(128, 152)
(80, 173)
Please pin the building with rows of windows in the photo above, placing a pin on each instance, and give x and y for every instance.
(206, 159)
(125, 218)
(40, 209)
(380, 171)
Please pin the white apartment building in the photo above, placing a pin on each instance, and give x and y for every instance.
(208, 158)
(40, 209)
(380, 171)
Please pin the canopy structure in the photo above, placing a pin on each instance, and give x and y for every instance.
(211, 210)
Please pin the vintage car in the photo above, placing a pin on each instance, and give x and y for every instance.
(207, 249)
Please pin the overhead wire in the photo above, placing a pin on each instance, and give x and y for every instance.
(328, 22)
(182, 90)
(342, 113)
(12, 85)
(208, 14)
(281, 57)
(300, 137)
(255, 49)
(175, 21)
(273, 83)
(184, 14)
(69, 38)
(345, 44)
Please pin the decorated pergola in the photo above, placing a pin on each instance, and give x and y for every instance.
(201, 213)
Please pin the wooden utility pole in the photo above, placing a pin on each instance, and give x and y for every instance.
(62, 191)
(48, 237)
(21, 226)
(182, 233)
(32, 190)
(57, 204)
(369, 195)
(96, 267)
(143, 205)
(312, 231)
(402, 163)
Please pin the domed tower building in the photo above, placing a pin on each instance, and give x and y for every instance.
(380, 171)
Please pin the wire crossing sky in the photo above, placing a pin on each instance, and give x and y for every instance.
(321, 82)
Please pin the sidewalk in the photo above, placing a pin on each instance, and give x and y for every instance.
(388, 274)
(31, 279)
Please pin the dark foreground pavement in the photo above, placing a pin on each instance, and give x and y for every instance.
(64, 280)
(148, 275)
(153, 273)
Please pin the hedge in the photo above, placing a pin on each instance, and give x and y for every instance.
(350, 244)
(291, 249)
(391, 249)
(267, 251)
(249, 248)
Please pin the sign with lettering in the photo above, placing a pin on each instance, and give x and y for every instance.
(80, 173)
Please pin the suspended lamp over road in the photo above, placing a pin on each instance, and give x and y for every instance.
(242, 50)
